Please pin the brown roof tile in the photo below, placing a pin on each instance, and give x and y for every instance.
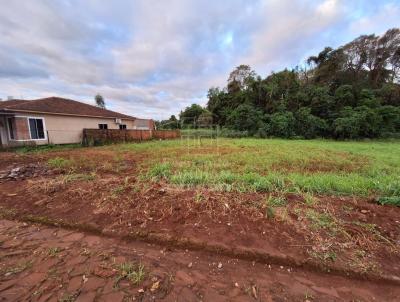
(58, 105)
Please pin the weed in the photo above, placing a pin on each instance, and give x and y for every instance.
(160, 171)
(68, 297)
(60, 182)
(118, 190)
(372, 228)
(320, 220)
(347, 208)
(52, 272)
(276, 201)
(309, 199)
(133, 272)
(273, 202)
(198, 198)
(19, 267)
(79, 177)
(54, 251)
(59, 163)
(46, 148)
(270, 212)
(324, 255)
(392, 200)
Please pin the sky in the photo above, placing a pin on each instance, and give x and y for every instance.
(151, 58)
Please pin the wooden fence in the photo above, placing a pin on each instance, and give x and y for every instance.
(100, 136)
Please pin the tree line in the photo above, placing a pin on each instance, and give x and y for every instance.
(349, 92)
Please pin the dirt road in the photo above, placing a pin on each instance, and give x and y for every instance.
(52, 264)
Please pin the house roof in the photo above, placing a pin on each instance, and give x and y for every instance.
(56, 105)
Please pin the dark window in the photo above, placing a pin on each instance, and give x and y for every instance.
(122, 127)
(36, 128)
(10, 127)
(103, 126)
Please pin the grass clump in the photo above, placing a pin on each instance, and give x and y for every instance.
(19, 267)
(135, 273)
(59, 183)
(309, 199)
(274, 202)
(391, 200)
(160, 171)
(68, 297)
(118, 190)
(54, 251)
(320, 220)
(45, 148)
(59, 163)
(324, 256)
(79, 177)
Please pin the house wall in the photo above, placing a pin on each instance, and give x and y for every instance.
(143, 124)
(62, 129)
(3, 131)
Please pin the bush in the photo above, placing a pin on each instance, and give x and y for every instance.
(245, 118)
(281, 124)
(308, 125)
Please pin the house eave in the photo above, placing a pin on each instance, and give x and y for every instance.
(6, 111)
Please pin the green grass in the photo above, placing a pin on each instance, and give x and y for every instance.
(133, 272)
(363, 168)
(392, 200)
(78, 177)
(59, 162)
(320, 220)
(160, 171)
(45, 148)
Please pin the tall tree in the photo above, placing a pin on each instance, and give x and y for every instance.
(240, 78)
(100, 101)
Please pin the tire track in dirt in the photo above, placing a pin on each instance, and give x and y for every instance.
(54, 263)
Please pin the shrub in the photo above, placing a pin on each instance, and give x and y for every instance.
(392, 200)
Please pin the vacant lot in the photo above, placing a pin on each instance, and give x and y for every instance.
(320, 205)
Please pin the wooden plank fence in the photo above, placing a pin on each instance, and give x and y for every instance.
(103, 136)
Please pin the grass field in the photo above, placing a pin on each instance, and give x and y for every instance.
(288, 195)
(316, 166)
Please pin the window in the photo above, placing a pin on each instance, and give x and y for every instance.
(122, 127)
(10, 127)
(36, 128)
(103, 126)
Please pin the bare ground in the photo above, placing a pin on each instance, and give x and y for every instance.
(53, 264)
(360, 240)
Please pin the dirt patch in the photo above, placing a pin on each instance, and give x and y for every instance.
(340, 234)
(45, 264)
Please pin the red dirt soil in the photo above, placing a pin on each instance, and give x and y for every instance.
(50, 264)
(116, 203)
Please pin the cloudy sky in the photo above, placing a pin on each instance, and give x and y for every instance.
(152, 58)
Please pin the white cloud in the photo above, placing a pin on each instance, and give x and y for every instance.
(151, 58)
(288, 30)
(385, 17)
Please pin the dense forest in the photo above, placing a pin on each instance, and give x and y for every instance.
(349, 92)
